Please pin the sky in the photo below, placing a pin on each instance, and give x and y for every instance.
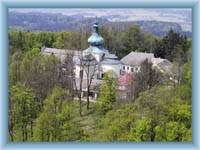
(178, 15)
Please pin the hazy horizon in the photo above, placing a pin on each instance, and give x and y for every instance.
(178, 15)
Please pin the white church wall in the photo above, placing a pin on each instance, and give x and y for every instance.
(77, 71)
(114, 68)
(92, 69)
(97, 57)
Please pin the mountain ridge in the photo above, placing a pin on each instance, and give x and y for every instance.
(39, 21)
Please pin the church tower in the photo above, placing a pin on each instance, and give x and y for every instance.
(95, 42)
(106, 61)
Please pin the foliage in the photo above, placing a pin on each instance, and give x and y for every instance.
(116, 41)
(107, 95)
(35, 70)
(173, 47)
(162, 113)
(140, 131)
(40, 110)
(156, 115)
(115, 125)
(23, 109)
(132, 40)
(55, 123)
(15, 68)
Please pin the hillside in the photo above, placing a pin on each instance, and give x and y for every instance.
(36, 21)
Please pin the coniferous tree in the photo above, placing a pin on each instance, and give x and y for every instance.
(107, 95)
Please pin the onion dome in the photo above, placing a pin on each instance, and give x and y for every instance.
(95, 39)
(94, 49)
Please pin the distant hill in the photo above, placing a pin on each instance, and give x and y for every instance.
(36, 21)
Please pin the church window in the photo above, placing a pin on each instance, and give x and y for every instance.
(131, 69)
(123, 67)
(102, 75)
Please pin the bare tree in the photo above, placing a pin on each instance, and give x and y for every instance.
(79, 90)
(131, 89)
(67, 74)
(75, 84)
(146, 78)
(90, 68)
(87, 64)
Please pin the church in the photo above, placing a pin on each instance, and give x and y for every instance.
(102, 60)
(96, 60)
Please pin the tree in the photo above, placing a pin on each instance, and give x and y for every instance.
(146, 78)
(178, 125)
(173, 131)
(165, 110)
(140, 131)
(116, 124)
(40, 72)
(172, 46)
(59, 43)
(56, 123)
(158, 114)
(133, 40)
(23, 109)
(67, 74)
(107, 95)
(90, 68)
(78, 83)
(15, 68)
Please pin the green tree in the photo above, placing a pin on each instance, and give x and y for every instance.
(56, 122)
(23, 109)
(178, 124)
(163, 105)
(173, 131)
(107, 95)
(140, 131)
(15, 68)
(172, 46)
(116, 124)
(133, 40)
(59, 43)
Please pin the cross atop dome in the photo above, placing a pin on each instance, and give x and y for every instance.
(96, 27)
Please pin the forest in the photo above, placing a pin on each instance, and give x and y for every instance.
(43, 107)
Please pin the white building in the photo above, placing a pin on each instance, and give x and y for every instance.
(96, 57)
(102, 59)
(132, 62)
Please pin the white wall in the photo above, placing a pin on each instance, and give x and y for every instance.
(104, 68)
(114, 68)
(130, 69)
(77, 71)
(92, 68)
